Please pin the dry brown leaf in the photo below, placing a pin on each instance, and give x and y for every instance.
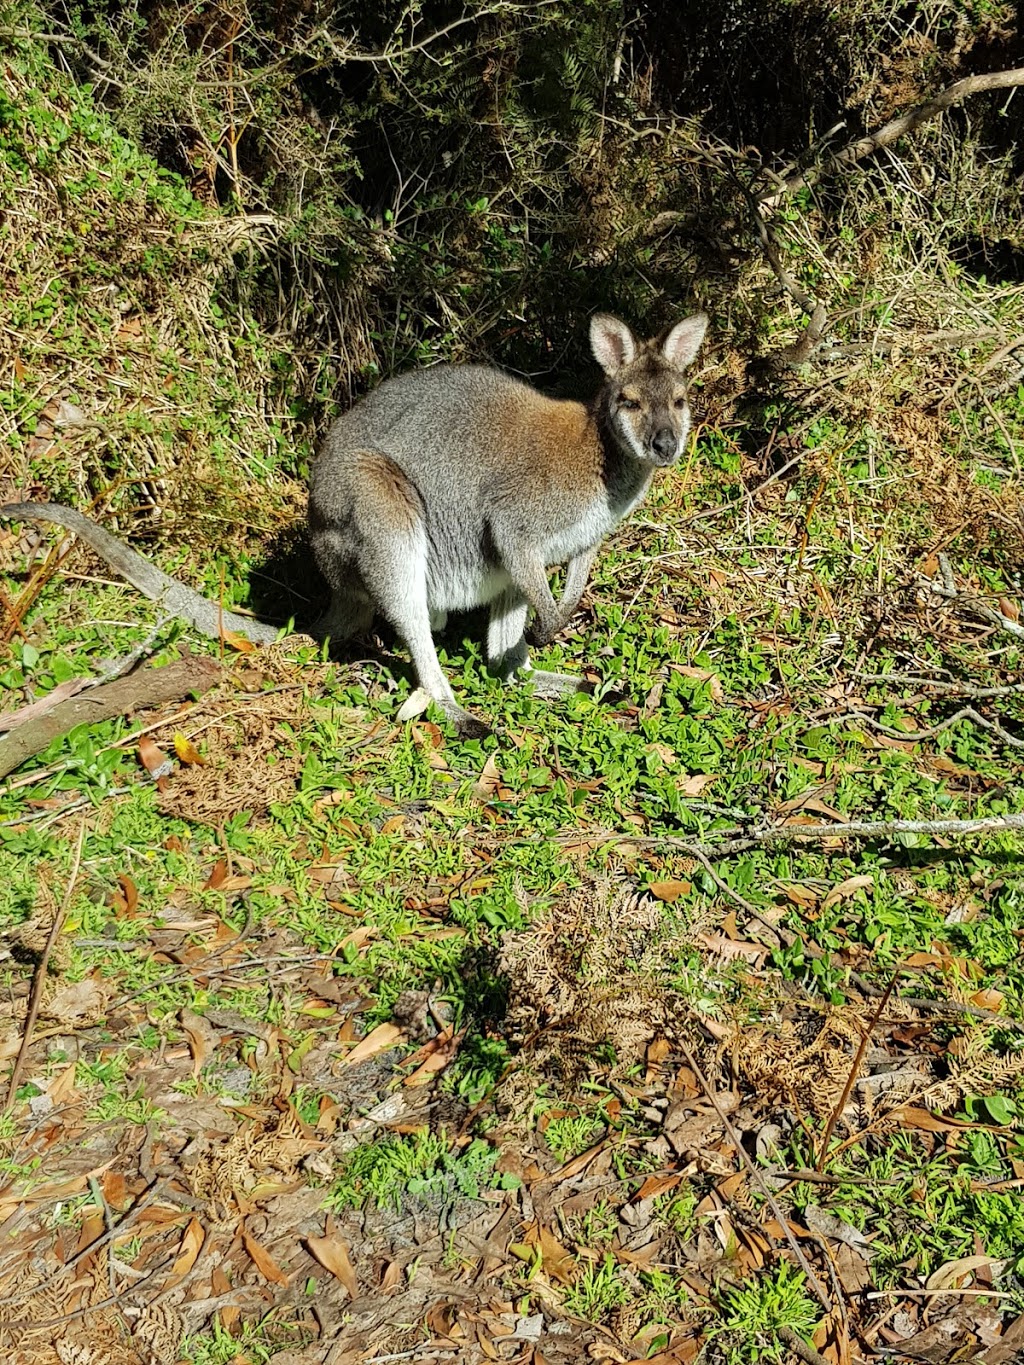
(191, 1244)
(670, 891)
(335, 1255)
(703, 675)
(928, 1122)
(196, 1039)
(379, 1039)
(558, 1263)
(263, 1261)
(696, 783)
(488, 784)
(800, 895)
(846, 889)
(988, 999)
(729, 948)
(240, 643)
(1009, 608)
(429, 739)
(953, 1274)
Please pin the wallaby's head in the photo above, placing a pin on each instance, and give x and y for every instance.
(645, 397)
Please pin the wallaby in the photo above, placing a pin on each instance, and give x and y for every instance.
(458, 486)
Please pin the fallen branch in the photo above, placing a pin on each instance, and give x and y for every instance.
(965, 713)
(960, 689)
(148, 687)
(896, 128)
(762, 835)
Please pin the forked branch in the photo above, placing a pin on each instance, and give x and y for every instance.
(896, 128)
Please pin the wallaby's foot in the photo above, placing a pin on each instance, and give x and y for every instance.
(550, 686)
(466, 726)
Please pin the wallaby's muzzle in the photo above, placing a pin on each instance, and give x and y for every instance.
(665, 446)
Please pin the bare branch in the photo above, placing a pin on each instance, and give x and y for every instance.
(896, 128)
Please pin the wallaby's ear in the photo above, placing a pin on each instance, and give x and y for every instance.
(612, 343)
(682, 343)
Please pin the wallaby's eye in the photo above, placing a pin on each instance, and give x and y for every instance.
(679, 403)
(629, 404)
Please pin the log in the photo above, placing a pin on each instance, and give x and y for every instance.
(147, 687)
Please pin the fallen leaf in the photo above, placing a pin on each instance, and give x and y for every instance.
(263, 1261)
(335, 1255)
(730, 949)
(381, 1038)
(241, 643)
(988, 999)
(1009, 608)
(846, 889)
(195, 1034)
(702, 675)
(191, 1245)
(187, 751)
(802, 896)
(696, 783)
(557, 1262)
(670, 891)
(488, 784)
(429, 740)
(953, 1273)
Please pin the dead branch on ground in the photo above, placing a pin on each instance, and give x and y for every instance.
(149, 687)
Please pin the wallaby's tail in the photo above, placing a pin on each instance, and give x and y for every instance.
(173, 597)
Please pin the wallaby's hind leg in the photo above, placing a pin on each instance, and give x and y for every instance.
(350, 614)
(392, 562)
(507, 655)
(400, 576)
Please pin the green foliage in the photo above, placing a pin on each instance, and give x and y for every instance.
(753, 1313)
(420, 1165)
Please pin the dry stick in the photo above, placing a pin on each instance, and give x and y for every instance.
(965, 713)
(757, 1178)
(896, 128)
(851, 1079)
(40, 977)
(944, 685)
(775, 834)
(800, 1347)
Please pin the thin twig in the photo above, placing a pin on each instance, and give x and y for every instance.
(800, 1347)
(965, 713)
(943, 685)
(782, 834)
(40, 976)
(851, 1079)
(757, 1177)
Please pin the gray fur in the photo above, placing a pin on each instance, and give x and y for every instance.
(456, 487)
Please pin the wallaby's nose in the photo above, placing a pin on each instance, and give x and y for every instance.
(664, 444)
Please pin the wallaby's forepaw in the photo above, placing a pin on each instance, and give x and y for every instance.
(549, 686)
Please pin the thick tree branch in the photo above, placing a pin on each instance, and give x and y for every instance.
(148, 687)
